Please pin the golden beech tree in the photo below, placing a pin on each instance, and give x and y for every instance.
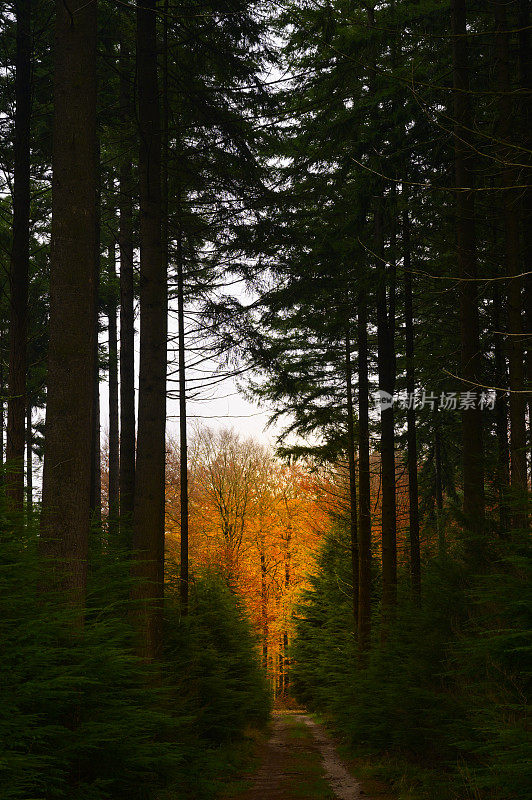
(256, 521)
(259, 523)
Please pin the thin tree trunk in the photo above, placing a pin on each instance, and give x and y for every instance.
(95, 501)
(65, 517)
(527, 221)
(411, 433)
(511, 204)
(364, 492)
(2, 410)
(181, 353)
(281, 667)
(525, 79)
(386, 384)
(183, 444)
(353, 527)
(29, 464)
(438, 482)
(127, 314)
(472, 448)
(96, 468)
(19, 266)
(264, 603)
(286, 671)
(364, 478)
(287, 583)
(501, 414)
(114, 451)
(148, 528)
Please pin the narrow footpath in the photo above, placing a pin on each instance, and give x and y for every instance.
(300, 762)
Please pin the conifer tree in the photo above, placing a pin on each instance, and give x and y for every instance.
(20, 255)
(148, 520)
(69, 408)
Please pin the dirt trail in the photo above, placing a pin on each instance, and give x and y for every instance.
(300, 762)
(344, 786)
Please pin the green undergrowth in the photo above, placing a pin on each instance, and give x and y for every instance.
(439, 707)
(81, 716)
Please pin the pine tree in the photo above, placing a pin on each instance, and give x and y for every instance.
(67, 464)
(148, 520)
(20, 255)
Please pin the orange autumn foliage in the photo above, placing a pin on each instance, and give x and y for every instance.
(255, 520)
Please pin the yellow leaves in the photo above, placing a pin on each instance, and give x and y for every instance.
(254, 519)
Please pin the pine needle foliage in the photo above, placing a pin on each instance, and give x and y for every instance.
(441, 701)
(82, 716)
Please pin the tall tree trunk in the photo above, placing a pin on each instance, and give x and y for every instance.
(96, 468)
(65, 517)
(183, 443)
(148, 528)
(411, 433)
(472, 449)
(127, 300)
(438, 482)
(114, 451)
(511, 205)
(501, 413)
(29, 464)
(287, 583)
(263, 603)
(364, 493)
(181, 353)
(19, 266)
(525, 80)
(385, 327)
(386, 384)
(2, 410)
(286, 663)
(351, 463)
(280, 690)
(95, 502)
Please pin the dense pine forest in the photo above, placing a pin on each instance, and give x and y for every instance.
(323, 207)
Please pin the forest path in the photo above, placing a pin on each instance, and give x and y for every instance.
(300, 762)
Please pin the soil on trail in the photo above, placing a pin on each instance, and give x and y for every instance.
(300, 762)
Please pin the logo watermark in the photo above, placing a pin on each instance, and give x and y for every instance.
(445, 401)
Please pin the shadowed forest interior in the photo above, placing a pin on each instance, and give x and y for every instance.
(220, 213)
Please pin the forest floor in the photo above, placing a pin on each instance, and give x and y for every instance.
(300, 761)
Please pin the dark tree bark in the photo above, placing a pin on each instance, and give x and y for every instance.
(65, 517)
(385, 327)
(438, 482)
(287, 583)
(364, 493)
(95, 501)
(472, 448)
(511, 207)
(501, 413)
(19, 266)
(114, 451)
(127, 300)
(525, 79)
(2, 410)
(96, 467)
(286, 664)
(351, 463)
(411, 433)
(181, 353)
(183, 442)
(387, 445)
(280, 680)
(263, 603)
(29, 464)
(148, 528)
